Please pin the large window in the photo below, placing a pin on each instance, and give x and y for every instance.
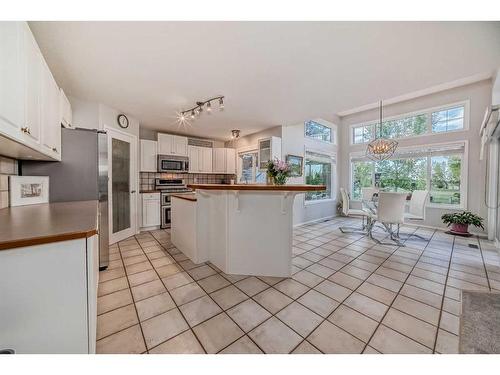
(248, 171)
(318, 171)
(318, 131)
(437, 120)
(439, 169)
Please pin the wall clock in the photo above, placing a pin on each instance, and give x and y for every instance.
(122, 121)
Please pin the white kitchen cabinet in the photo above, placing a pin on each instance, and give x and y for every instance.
(269, 149)
(50, 114)
(206, 159)
(169, 144)
(150, 209)
(66, 113)
(148, 155)
(200, 159)
(224, 160)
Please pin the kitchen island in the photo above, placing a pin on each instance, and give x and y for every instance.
(242, 229)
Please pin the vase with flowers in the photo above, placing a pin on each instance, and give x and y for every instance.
(278, 171)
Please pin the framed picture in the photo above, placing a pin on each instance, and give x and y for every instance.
(26, 190)
(296, 165)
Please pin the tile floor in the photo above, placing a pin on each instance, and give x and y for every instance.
(347, 295)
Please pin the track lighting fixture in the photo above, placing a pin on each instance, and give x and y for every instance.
(198, 109)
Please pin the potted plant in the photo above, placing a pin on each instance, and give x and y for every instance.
(460, 221)
(277, 171)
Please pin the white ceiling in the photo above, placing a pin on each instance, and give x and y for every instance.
(272, 73)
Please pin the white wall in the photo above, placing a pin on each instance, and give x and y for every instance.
(479, 95)
(251, 140)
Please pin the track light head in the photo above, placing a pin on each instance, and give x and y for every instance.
(192, 115)
(221, 104)
(209, 107)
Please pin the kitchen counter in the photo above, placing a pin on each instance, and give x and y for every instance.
(148, 191)
(258, 187)
(45, 223)
(187, 196)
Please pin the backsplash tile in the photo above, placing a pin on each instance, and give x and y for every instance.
(147, 179)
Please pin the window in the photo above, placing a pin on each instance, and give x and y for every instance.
(448, 120)
(318, 131)
(248, 171)
(318, 171)
(438, 168)
(445, 179)
(439, 120)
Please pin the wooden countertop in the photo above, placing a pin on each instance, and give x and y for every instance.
(148, 191)
(45, 223)
(187, 196)
(258, 187)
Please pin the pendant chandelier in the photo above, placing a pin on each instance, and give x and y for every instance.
(381, 148)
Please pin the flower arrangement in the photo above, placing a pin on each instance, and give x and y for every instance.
(278, 171)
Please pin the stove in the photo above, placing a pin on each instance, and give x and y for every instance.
(167, 187)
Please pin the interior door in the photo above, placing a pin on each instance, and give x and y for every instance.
(121, 185)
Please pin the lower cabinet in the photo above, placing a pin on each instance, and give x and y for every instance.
(48, 297)
(150, 209)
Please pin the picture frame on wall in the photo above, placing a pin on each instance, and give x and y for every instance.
(296, 165)
(25, 190)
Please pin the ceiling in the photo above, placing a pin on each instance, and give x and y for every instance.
(271, 73)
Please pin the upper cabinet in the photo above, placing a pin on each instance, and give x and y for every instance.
(269, 149)
(66, 114)
(200, 159)
(30, 118)
(169, 144)
(224, 160)
(148, 156)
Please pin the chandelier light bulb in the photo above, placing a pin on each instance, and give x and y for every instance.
(209, 107)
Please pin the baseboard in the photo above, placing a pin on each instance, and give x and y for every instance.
(315, 221)
(146, 229)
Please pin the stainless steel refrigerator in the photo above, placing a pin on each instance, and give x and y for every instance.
(81, 175)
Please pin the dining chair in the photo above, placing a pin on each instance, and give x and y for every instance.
(416, 211)
(390, 211)
(368, 192)
(351, 212)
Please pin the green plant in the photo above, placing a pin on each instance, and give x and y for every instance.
(464, 218)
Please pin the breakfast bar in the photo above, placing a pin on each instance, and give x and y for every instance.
(242, 229)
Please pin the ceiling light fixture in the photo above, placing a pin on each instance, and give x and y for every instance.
(198, 109)
(381, 148)
(235, 133)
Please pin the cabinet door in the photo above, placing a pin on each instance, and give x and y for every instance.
(33, 86)
(11, 78)
(180, 145)
(148, 156)
(194, 159)
(150, 212)
(50, 120)
(264, 152)
(219, 160)
(65, 109)
(165, 144)
(206, 154)
(230, 161)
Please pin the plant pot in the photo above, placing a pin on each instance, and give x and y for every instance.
(269, 180)
(460, 228)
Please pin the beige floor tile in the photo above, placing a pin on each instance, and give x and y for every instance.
(199, 310)
(201, 272)
(188, 265)
(332, 263)
(357, 324)
(318, 303)
(111, 274)
(243, 346)
(234, 278)
(414, 328)
(320, 270)
(270, 280)
(388, 341)
(135, 259)
(228, 297)
(345, 280)
(217, 333)
(299, 318)
(332, 340)
(450, 323)
(147, 290)
(213, 283)
(356, 272)
(429, 275)
(391, 273)
(186, 293)
(333, 290)
(169, 269)
(417, 309)
(163, 327)
(156, 305)
(116, 320)
(377, 293)
(305, 348)
(272, 300)
(447, 343)
(138, 267)
(422, 295)
(113, 301)
(248, 314)
(142, 277)
(451, 306)
(370, 350)
(160, 262)
(177, 280)
(111, 286)
(185, 343)
(128, 341)
(251, 286)
(366, 305)
(385, 282)
(428, 285)
(307, 278)
(275, 337)
(291, 288)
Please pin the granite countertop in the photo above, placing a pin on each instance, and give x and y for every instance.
(45, 223)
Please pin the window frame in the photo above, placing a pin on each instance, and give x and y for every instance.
(239, 165)
(333, 174)
(464, 172)
(332, 140)
(425, 111)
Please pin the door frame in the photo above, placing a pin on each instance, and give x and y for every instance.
(132, 139)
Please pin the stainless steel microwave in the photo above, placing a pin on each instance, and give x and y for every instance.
(175, 164)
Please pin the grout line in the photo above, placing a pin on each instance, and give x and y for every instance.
(484, 264)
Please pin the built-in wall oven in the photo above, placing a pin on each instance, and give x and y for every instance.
(167, 187)
(173, 164)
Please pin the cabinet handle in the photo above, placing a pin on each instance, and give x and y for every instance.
(25, 130)
(54, 149)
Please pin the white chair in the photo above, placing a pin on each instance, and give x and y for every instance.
(351, 212)
(367, 193)
(416, 211)
(390, 211)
